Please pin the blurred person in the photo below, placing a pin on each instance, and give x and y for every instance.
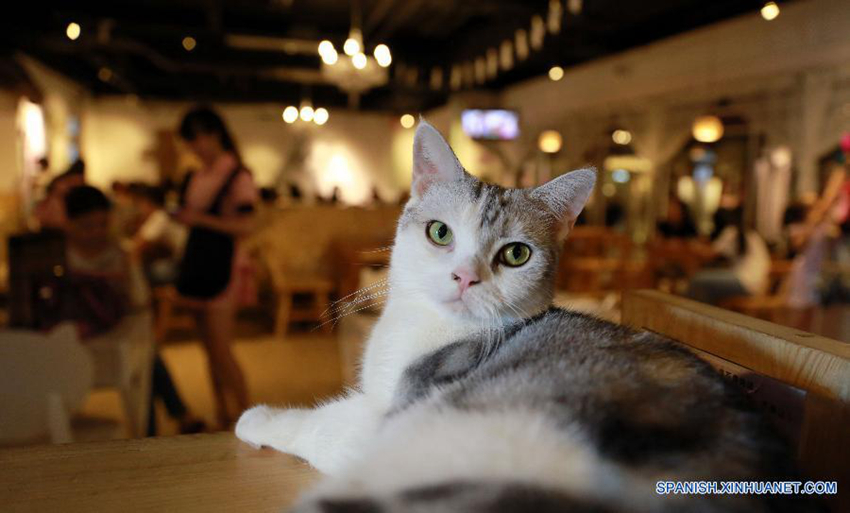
(104, 284)
(159, 241)
(677, 246)
(124, 213)
(740, 266)
(614, 214)
(810, 225)
(219, 208)
(678, 222)
(729, 211)
(50, 211)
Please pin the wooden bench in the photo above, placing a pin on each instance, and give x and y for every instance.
(751, 351)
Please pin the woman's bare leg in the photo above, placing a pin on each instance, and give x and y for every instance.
(216, 326)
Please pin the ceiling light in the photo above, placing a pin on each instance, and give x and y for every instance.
(105, 74)
(770, 11)
(307, 112)
(189, 43)
(620, 136)
(407, 121)
(326, 47)
(550, 141)
(506, 55)
(320, 117)
(73, 31)
(359, 60)
(383, 56)
(330, 57)
(290, 114)
(620, 176)
(352, 45)
(556, 73)
(707, 129)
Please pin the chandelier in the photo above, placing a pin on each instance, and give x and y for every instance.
(354, 71)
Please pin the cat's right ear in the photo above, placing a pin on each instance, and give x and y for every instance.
(433, 160)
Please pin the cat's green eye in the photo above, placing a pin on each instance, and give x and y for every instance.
(439, 233)
(515, 254)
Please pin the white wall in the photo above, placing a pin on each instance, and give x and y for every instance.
(9, 165)
(352, 150)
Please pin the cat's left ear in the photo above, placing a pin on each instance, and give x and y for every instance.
(433, 160)
(566, 195)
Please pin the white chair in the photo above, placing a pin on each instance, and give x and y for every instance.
(43, 380)
(123, 360)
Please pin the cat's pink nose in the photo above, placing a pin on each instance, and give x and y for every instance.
(465, 278)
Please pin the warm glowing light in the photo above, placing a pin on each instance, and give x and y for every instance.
(780, 156)
(609, 189)
(307, 112)
(351, 47)
(770, 11)
(620, 136)
(73, 31)
(337, 165)
(550, 141)
(189, 43)
(31, 124)
(359, 60)
(707, 129)
(621, 176)
(556, 73)
(320, 117)
(330, 57)
(326, 47)
(105, 74)
(290, 114)
(383, 56)
(407, 121)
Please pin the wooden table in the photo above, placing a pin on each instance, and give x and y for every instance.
(214, 472)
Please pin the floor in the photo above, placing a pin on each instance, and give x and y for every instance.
(298, 371)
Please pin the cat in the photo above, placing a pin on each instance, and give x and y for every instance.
(477, 395)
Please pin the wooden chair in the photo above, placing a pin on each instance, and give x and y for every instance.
(123, 361)
(773, 304)
(597, 260)
(289, 283)
(803, 378)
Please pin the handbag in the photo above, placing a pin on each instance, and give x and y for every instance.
(207, 262)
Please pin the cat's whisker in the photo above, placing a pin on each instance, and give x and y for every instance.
(354, 303)
(376, 250)
(380, 283)
(336, 320)
(342, 309)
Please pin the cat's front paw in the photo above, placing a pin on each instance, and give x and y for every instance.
(253, 425)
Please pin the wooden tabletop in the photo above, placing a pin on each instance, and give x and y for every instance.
(212, 472)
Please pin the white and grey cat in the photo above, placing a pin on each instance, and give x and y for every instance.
(476, 395)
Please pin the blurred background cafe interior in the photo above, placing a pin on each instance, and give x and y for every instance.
(720, 132)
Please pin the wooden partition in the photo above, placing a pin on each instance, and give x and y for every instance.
(805, 376)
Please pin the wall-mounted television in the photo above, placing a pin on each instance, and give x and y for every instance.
(490, 124)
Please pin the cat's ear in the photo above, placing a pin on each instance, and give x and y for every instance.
(433, 160)
(566, 196)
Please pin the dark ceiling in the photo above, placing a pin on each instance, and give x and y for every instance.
(140, 42)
